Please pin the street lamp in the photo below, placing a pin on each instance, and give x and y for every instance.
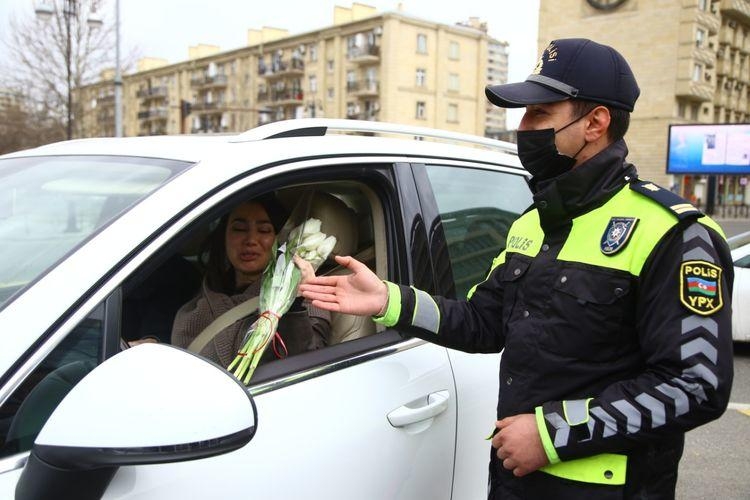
(45, 10)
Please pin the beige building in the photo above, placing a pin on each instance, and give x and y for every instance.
(367, 65)
(691, 59)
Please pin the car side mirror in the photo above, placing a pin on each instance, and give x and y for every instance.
(150, 404)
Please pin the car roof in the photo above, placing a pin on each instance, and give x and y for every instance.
(296, 136)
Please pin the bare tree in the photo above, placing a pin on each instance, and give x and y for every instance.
(47, 57)
(23, 127)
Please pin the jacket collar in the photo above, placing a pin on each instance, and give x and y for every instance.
(583, 188)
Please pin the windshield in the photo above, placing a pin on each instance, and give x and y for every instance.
(51, 205)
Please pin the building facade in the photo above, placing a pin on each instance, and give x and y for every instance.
(692, 62)
(367, 66)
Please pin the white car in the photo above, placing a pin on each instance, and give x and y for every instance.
(100, 239)
(740, 246)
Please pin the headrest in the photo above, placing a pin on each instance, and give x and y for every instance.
(336, 219)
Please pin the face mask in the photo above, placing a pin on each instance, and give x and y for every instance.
(539, 155)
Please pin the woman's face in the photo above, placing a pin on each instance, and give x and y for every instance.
(249, 239)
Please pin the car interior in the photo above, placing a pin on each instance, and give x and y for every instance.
(152, 296)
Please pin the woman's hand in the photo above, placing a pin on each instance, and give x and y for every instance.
(305, 269)
(361, 292)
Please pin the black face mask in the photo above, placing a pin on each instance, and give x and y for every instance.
(539, 155)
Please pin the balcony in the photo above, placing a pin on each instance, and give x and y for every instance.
(281, 68)
(364, 55)
(285, 97)
(207, 106)
(723, 66)
(209, 81)
(737, 9)
(152, 93)
(694, 91)
(365, 88)
(710, 21)
(154, 114)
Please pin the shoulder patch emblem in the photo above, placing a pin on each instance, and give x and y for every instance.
(700, 287)
(617, 234)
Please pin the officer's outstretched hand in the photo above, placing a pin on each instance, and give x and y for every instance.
(518, 444)
(361, 292)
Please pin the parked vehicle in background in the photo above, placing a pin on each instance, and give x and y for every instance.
(101, 238)
(740, 246)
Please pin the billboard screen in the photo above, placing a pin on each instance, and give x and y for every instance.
(709, 149)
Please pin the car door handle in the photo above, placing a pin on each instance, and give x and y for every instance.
(414, 412)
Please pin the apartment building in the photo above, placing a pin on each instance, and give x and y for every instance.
(367, 65)
(692, 62)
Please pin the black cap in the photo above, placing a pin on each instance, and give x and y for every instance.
(572, 68)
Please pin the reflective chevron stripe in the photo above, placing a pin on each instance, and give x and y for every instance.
(656, 407)
(693, 388)
(699, 346)
(562, 430)
(702, 372)
(610, 424)
(681, 403)
(426, 312)
(694, 322)
(631, 414)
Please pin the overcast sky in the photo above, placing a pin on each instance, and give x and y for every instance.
(166, 28)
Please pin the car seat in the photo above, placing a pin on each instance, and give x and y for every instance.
(339, 220)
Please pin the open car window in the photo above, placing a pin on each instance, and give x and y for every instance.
(350, 210)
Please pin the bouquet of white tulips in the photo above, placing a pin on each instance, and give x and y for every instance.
(278, 291)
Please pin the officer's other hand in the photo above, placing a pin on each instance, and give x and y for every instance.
(518, 444)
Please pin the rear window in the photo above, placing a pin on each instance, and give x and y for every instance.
(51, 205)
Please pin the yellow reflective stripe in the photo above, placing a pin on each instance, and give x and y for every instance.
(709, 222)
(393, 309)
(500, 259)
(541, 426)
(607, 468)
(682, 207)
(584, 242)
(529, 235)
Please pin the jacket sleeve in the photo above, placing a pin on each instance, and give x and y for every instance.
(683, 323)
(472, 325)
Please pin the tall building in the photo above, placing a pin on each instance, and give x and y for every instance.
(367, 65)
(692, 61)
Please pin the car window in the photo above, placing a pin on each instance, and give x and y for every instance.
(477, 207)
(27, 409)
(51, 205)
(170, 289)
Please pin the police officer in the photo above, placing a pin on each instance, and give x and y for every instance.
(611, 299)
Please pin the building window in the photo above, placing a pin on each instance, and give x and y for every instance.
(452, 113)
(700, 37)
(330, 65)
(313, 53)
(453, 82)
(421, 44)
(331, 93)
(698, 72)
(421, 77)
(421, 110)
(313, 84)
(703, 5)
(454, 51)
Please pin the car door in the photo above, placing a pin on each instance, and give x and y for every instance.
(370, 418)
(470, 208)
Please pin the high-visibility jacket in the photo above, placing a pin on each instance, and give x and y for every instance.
(611, 300)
